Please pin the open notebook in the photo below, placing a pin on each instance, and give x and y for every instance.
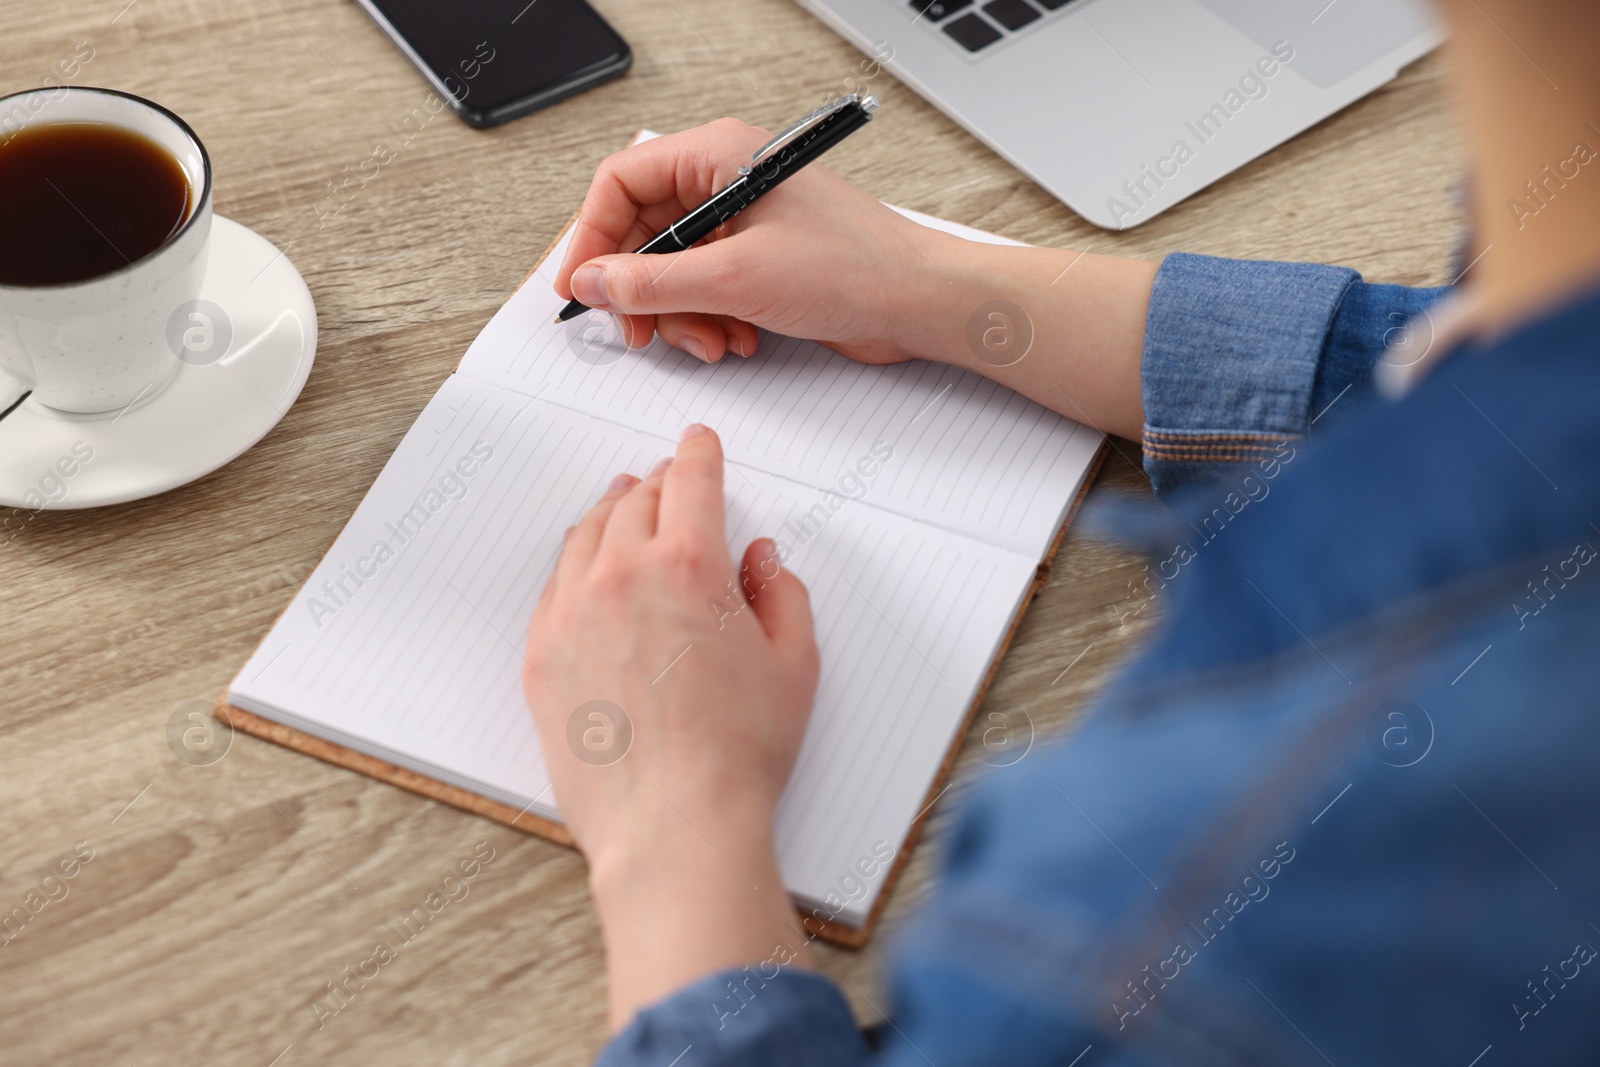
(401, 655)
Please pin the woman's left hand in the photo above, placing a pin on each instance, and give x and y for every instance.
(671, 692)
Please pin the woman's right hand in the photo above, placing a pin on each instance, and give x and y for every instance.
(819, 259)
(815, 258)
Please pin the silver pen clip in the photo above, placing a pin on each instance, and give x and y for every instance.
(799, 129)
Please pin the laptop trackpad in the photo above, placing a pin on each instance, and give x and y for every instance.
(1330, 40)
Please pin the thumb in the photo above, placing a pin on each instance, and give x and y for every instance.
(781, 602)
(701, 279)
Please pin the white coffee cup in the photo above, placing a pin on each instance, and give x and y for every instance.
(101, 344)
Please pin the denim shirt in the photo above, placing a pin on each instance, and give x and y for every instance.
(1345, 806)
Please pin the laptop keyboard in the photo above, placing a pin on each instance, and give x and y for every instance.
(977, 27)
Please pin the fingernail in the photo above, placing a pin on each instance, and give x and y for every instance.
(766, 548)
(622, 481)
(661, 464)
(691, 344)
(695, 429)
(589, 286)
(622, 328)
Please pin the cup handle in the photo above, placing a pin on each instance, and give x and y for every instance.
(15, 382)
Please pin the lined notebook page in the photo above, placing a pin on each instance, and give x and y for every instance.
(967, 454)
(406, 641)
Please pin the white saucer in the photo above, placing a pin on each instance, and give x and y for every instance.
(201, 418)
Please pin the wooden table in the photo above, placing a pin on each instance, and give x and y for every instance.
(221, 898)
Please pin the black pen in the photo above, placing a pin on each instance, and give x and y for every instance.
(780, 157)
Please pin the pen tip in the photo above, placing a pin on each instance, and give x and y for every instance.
(561, 318)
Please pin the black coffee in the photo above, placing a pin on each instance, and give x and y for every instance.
(81, 199)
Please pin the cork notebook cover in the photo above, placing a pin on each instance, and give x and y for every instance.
(921, 504)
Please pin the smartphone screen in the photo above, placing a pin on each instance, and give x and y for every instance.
(493, 60)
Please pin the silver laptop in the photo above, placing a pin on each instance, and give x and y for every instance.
(1122, 108)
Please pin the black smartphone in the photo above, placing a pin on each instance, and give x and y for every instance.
(493, 60)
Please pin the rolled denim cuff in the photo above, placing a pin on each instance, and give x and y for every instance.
(1231, 358)
(1371, 319)
(738, 1017)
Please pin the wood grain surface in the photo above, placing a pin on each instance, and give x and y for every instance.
(221, 898)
